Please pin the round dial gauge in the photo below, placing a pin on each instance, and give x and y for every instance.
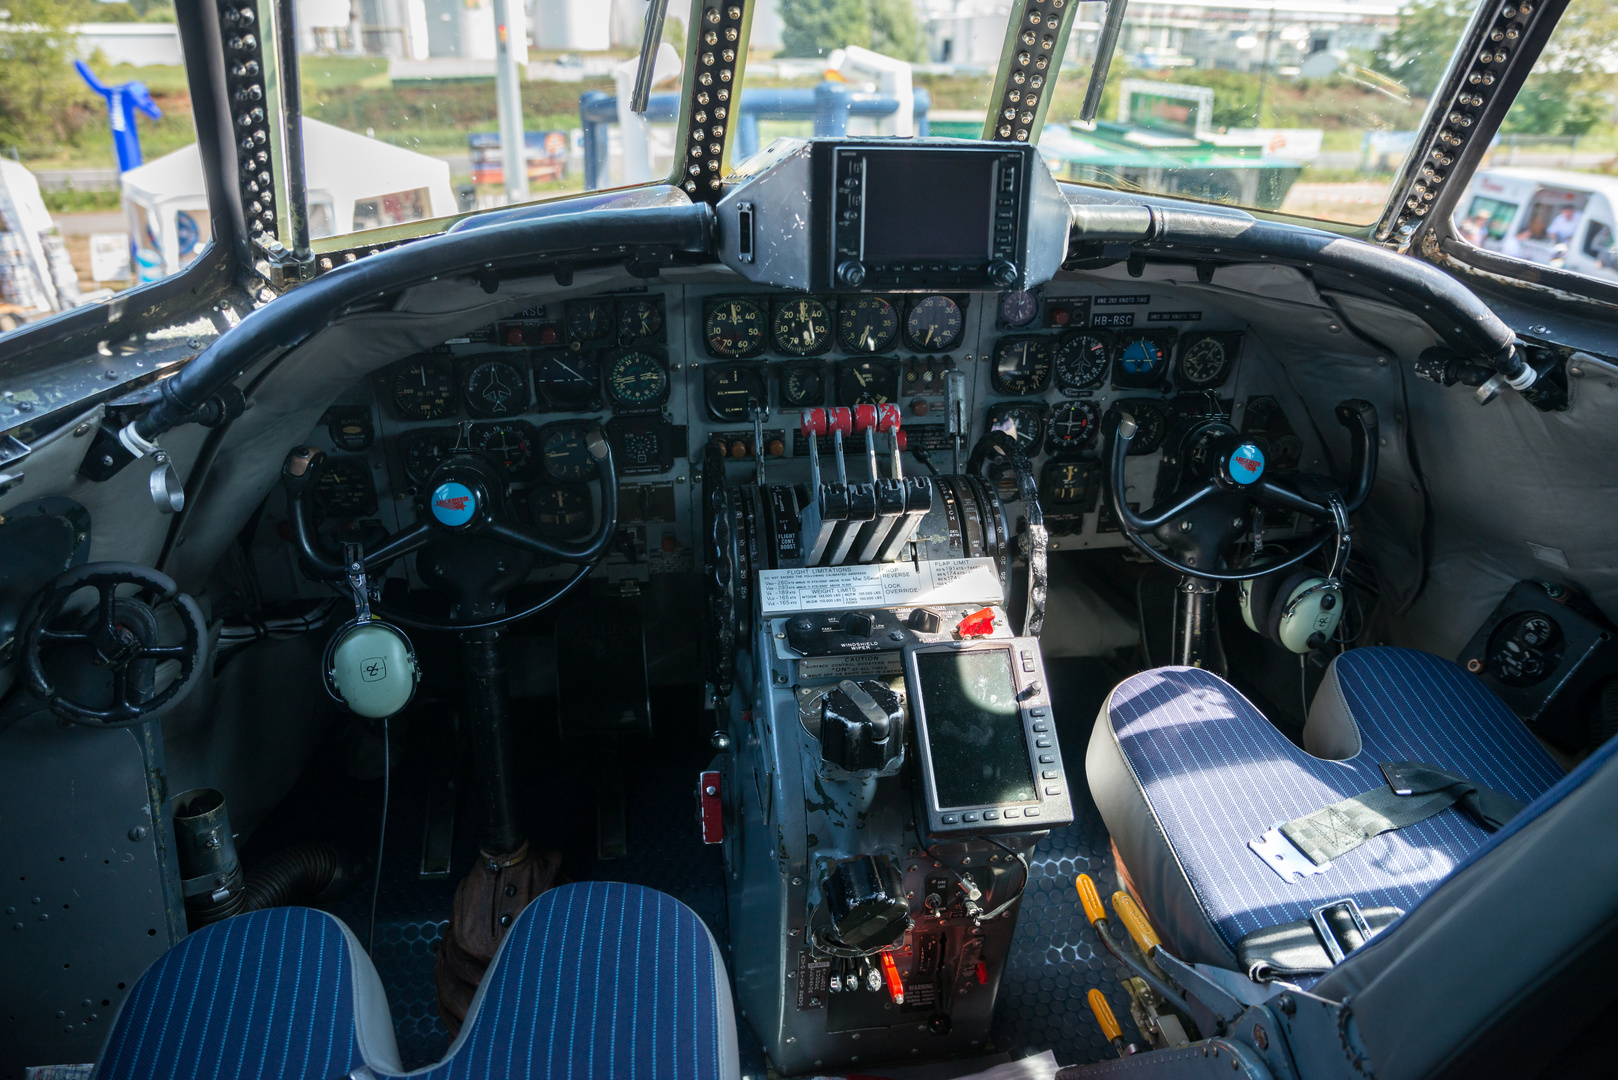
(1081, 361)
(1069, 482)
(425, 390)
(729, 390)
(1021, 420)
(509, 445)
(495, 388)
(1073, 425)
(589, 320)
(637, 379)
(566, 454)
(1152, 424)
(639, 319)
(425, 450)
(343, 488)
(803, 385)
(1021, 365)
(1141, 361)
(1204, 361)
(567, 380)
(866, 324)
(867, 382)
(934, 324)
(1017, 309)
(560, 510)
(734, 327)
(801, 327)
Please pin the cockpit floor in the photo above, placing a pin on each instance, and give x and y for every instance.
(1055, 958)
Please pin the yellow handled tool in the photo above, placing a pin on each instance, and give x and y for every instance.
(1090, 898)
(1106, 1021)
(1134, 920)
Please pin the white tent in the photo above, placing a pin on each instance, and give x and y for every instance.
(24, 221)
(355, 183)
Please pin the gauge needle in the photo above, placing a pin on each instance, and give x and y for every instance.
(569, 370)
(865, 380)
(865, 338)
(929, 340)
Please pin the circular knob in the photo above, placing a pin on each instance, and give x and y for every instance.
(852, 273)
(1002, 272)
(919, 407)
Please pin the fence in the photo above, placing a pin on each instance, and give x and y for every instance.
(829, 105)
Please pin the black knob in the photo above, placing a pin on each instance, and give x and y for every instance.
(861, 725)
(925, 620)
(1003, 272)
(866, 899)
(852, 273)
(938, 1023)
(859, 623)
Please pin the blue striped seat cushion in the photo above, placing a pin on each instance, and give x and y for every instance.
(600, 980)
(1217, 774)
(268, 994)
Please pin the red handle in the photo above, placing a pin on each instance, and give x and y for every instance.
(887, 418)
(904, 440)
(864, 417)
(840, 419)
(813, 422)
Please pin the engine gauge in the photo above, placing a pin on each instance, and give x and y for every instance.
(867, 382)
(343, 488)
(566, 453)
(934, 324)
(1022, 420)
(495, 386)
(1021, 365)
(424, 451)
(1206, 359)
(733, 327)
(509, 444)
(639, 319)
(1151, 423)
(636, 379)
(801, 327)
(1018, 309)
(1073, 425)
(567, 380)
(866, 324)
(1081, 361)
(425, 390)
(588, 320)
(561, 511)
(1141, 361)
(803, 384)
(729, 389)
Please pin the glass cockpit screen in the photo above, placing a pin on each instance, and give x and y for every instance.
(928, 206)
(974, 728)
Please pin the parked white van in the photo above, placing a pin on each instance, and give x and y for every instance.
(1548, 216)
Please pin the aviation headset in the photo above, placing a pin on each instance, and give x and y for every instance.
(1299, 611)
(369, 665)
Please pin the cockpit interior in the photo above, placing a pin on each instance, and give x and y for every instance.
(875, 608)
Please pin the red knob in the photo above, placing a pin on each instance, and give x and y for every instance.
(840, 419)
(813, 422)
(904, 439)
(887, 418)
(864, 417)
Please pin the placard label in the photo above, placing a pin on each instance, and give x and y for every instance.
(897, 584)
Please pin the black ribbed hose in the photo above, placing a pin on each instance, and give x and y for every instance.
(293, 875)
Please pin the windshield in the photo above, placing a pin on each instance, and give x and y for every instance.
(1299, 106)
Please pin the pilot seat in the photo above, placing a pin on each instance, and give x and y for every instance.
(1186, 773)
(595, 980)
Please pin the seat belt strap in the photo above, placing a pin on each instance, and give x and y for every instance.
(1414, 792)
(1314, 945)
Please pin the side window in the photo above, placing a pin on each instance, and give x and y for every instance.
(101, 184)
(1552, 158)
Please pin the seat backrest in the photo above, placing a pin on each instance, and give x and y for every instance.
(1510, 967)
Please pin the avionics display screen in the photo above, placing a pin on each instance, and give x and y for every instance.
(928, 206)
(974, 728)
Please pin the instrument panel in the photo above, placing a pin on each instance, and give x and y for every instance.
(666, 369)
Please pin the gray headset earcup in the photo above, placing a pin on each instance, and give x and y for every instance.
(1260, 597)
(1278, 599)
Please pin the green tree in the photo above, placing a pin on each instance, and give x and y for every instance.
(816, 27)
(1570, 89)
(1418, 50)
(42, 100)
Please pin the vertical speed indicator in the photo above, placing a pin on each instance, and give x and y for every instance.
(867, 324)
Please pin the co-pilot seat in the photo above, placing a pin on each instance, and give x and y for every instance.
(1186, 772)
(596, 980)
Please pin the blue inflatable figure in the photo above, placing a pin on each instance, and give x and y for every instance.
(123, 101)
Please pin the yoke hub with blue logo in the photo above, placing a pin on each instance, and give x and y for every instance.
(1246, 463)
(454, 504)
